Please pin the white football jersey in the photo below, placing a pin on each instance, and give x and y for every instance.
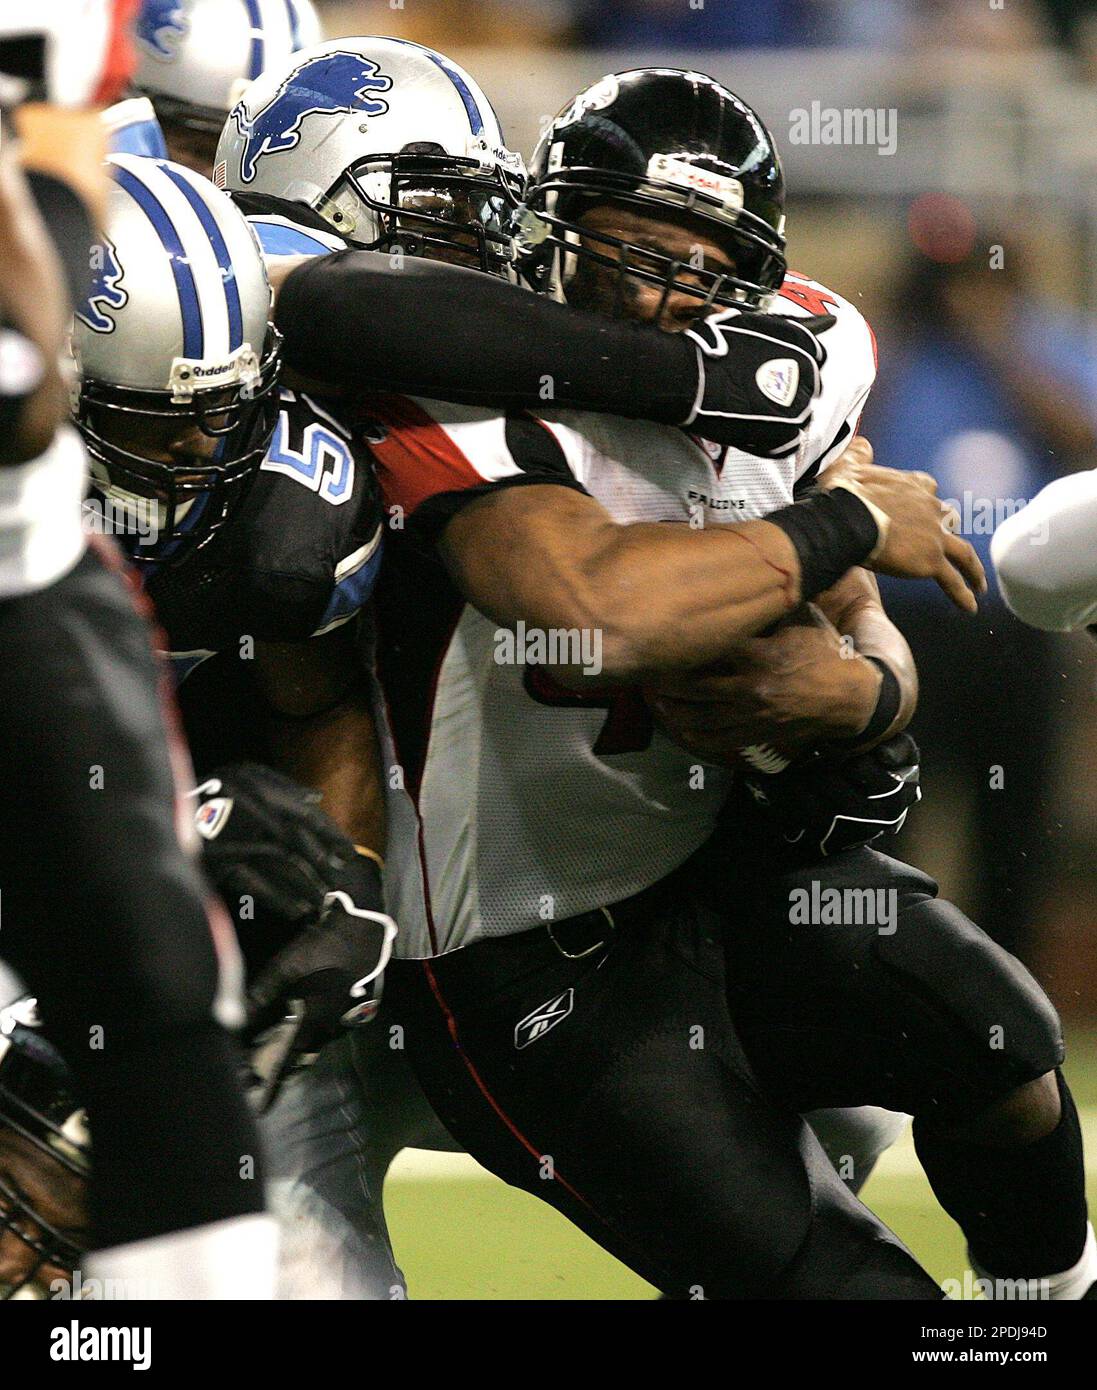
(513, 800)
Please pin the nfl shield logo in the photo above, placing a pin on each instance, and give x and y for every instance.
(211, 816)
(778, 379)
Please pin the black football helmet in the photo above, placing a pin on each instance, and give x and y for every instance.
(667, 141)
(44, 1148)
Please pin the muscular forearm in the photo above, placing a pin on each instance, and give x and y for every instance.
(853, 606)
(32, 307)
(337, 755)
(659, 598)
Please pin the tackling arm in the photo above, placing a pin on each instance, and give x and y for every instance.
(485, 342)
(32, 321)
(321, 728)
(554, 558)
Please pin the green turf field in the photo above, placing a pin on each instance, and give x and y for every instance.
(460, 1233)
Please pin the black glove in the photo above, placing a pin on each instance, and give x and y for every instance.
(832, 801)
(333, 968)
(759, 377)
(313, 897)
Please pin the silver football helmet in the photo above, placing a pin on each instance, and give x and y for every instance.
(391, 143)
(176, 354)
(193, 56)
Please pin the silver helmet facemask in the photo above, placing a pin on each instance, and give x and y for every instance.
(41, 1116)
(192, 498)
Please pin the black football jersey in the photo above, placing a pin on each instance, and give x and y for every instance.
(302, 554)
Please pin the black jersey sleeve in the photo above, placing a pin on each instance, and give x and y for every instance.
(454, 334)
(301, 556)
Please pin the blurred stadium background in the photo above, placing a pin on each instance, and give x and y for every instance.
(968, 237)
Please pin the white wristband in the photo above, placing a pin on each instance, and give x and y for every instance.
(41, 533)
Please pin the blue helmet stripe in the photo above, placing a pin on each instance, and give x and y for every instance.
(476, 121)
(220, 250)
(258, 39)
(150, 205)
(294, 26)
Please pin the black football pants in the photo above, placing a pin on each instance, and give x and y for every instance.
(105, 917)
(613, 1086)
(851, 983)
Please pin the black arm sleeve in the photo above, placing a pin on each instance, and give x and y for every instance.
(455, 334)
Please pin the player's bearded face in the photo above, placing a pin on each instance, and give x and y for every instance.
(53, 1192)
(606, 286)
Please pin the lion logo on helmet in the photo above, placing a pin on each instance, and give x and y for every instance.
(333, 84)
(106, 291)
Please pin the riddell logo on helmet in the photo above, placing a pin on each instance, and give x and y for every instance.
(667, 169)
(188, 375)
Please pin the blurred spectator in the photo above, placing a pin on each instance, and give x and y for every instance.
(1009, 26)
(1073, 24)
(446, 24)
(995, 394)
(700, 23)
(724, 24)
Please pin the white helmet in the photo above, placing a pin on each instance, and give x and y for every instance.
(175, 333)
(194, 56)
(388, 141)
(80, 45)
(132, 128)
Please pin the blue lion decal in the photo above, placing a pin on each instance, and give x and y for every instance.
(106, 292)
(333, 84)
(160, 26)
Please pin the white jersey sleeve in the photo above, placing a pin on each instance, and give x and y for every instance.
(847, 375)
(431, 457)
(1045, 556)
